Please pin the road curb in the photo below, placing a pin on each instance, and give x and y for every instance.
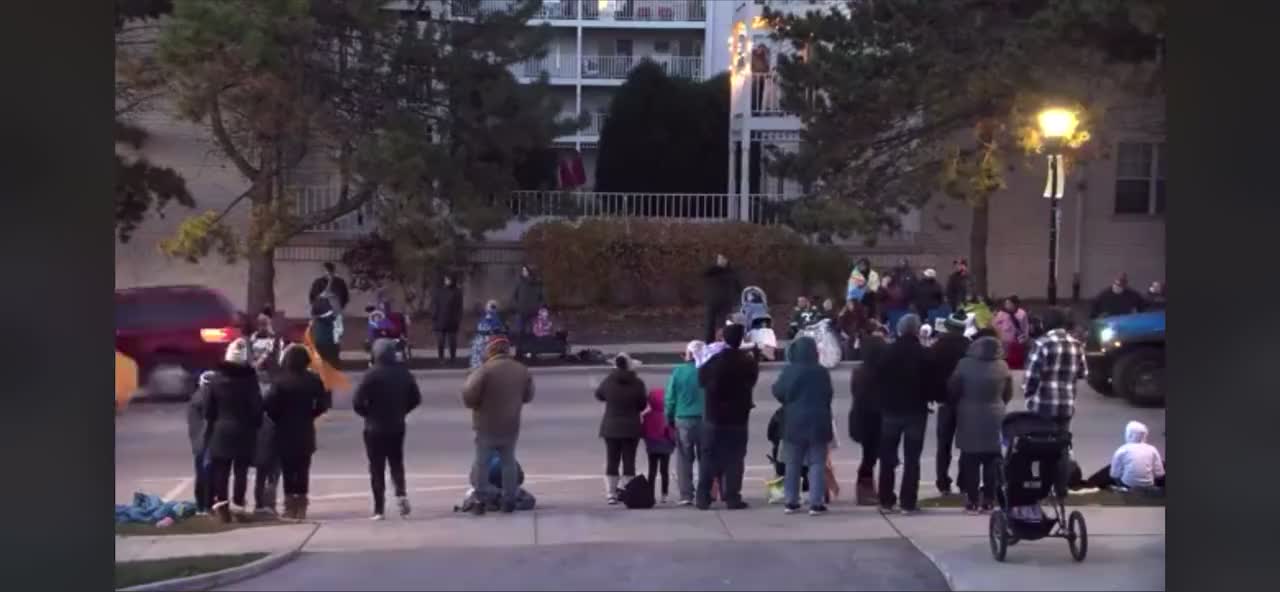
(212, 580)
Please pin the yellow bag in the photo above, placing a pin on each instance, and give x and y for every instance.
(126, 380)
(774, 491)
(332, 378)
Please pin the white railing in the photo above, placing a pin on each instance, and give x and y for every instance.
(593, 10)
(316, 198)
(692, 207)
(645, 10)
(553, 65)
(766, 96)
(618, 67)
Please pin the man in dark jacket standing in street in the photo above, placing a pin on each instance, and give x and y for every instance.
(387, 393)
(446, 317)
(233, 414)
(947, 351)
(496, 394)
(728, 379)
(1118, 299)
(958, 284)
(902, 381)
(723, 287)
(331, 287)
(528, 297)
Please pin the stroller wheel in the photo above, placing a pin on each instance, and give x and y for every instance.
(1077, 536)
(998, 533)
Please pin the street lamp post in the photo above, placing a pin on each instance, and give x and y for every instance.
(1057, 126)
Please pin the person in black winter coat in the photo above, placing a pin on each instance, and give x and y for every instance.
(958, 284)
(723, 288)
(297, 397)
(197, 434)
(928, 297)
(865, 417)
(330, 285)
(728, 379)
(901, 380)
(951, 347)
(386, 394)
(529, 296)
(625, 397)
(446, 316)
(1118, 299)
(233, 414)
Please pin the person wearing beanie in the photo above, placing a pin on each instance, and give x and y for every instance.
(728, 380)
(901, 378)
(929, 300)
(233, 414)
(950, 347)
(625, 398)
(496, 393)
(683, 404)
(386, 394)
(297, 397)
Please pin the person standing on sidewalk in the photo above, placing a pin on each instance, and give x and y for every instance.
(728, 379)
(1054, 365)
(387, 393)
(979, 390)
(865, 417)
(805, 391)
(901, 379)
(683, 405)
(625, 397)
(659, 442)
(529, 296)
(198, 434)
(233, 414)
(723, 287)
(330, 287)
(446, 317)
(496, 394)
(296, 399)
(947, 351)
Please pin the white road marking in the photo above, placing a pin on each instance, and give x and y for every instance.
(178, 490)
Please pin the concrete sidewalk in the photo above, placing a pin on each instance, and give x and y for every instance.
(257, 539)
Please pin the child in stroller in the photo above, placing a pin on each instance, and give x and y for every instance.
(544, 339)
(386, 324)
(1036, 467)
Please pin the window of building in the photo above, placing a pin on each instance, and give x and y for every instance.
(1140, 178)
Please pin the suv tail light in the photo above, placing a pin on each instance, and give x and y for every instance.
(223, 335)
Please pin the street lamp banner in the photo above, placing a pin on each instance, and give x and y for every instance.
(1056, 182)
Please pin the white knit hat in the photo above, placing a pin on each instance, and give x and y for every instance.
(238, 351)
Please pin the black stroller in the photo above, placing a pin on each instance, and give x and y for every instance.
(1036, 467)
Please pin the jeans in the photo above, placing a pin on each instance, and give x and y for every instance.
(202, 482)
(973, 465)
(620, 450)
(447, 340)
(689, 449)
(383, 450)
(660, 466)
(266, 481)
(946, 432)
(724, 455)
(800, 455)
(221, 473)
(907, 430)
(508, 465)
(296, 474)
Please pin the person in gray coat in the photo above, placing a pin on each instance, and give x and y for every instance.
(979, 389)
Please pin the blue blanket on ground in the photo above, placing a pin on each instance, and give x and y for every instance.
(149, 509)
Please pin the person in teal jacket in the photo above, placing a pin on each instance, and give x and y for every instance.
(683, 406)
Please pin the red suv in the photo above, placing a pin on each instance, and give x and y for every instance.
(174, 333)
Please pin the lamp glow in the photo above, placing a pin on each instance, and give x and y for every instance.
(1057, 124)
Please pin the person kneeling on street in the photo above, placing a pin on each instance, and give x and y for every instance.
(805, 391)
(496, 394)
(386, 394)
(296, 399)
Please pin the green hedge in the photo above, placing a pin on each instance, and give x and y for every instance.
(612, 263)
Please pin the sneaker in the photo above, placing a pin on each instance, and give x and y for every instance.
(684, 502)
(612, 500)
(986, 508)
(971, 509)
(817, 510)
(737, 505)
(791, 509)
(910, 511)
(403, 504)
(377, 518)
(945, 491)
(223, 511)
(888, 510)
(664, 501)
(265, 512)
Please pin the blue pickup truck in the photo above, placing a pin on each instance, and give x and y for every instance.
(1125, 355)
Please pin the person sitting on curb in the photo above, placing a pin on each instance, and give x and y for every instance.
(1136, 465)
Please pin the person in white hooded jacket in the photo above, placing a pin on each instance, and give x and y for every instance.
(1136, 464)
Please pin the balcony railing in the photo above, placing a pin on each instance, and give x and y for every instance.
(554, 66)
(766, 96)
(690, 207)
(593, 10)
(315, 198)
(618, 67)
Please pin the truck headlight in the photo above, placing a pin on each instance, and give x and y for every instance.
(1106, 335)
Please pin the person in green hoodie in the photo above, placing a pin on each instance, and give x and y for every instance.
(805, 391)
(683, 406)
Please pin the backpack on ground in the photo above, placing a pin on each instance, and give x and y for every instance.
(638, 494)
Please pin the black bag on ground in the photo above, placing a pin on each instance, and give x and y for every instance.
(638, 494)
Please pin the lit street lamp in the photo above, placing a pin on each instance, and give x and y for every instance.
(1057, 126)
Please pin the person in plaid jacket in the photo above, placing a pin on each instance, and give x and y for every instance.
(1055, 363)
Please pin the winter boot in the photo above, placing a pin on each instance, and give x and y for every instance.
(300, 513)
(866, 494)
(611, 489)
(290, 506)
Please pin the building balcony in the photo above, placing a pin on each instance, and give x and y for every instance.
(590, 133)
(766, 96)
(594, 12)
(606, 70)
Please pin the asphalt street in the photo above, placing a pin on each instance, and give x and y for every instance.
(559, 448)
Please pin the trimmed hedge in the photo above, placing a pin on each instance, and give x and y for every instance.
(650, 263)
